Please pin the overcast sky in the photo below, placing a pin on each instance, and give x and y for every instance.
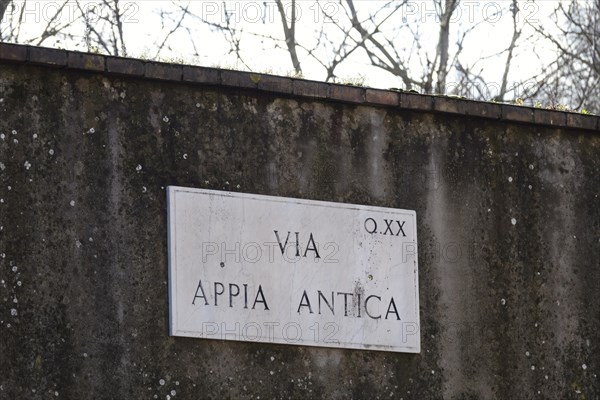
(145, 29)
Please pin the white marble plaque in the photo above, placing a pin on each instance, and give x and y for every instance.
(281, 270)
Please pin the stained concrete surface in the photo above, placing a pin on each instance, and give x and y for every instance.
(508, 222)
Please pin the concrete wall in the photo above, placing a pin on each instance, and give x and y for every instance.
(508, 225)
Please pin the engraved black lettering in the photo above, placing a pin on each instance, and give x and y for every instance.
(218, 293)
(262, 296)
(345, 301)
(282, 246)
(330, 306)
(305, 302)
(401, 228)
(390, 306)
(367, 306)
(388, 227)
(232, 294)
(313, 248)
(373, 224)
(202, 296)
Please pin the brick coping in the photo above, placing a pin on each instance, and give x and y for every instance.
(132, 67)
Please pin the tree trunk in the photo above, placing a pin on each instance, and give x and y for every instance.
(443, 45)
(3, 6)
(290, 34)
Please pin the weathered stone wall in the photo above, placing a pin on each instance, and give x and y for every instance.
(508, 218)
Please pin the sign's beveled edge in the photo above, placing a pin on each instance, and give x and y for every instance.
(416, 283)
(282, 199)
(347, 346)
(171, 254)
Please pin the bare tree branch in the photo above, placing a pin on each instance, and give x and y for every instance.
(443, 44)
(290, 33)
(511, 47)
